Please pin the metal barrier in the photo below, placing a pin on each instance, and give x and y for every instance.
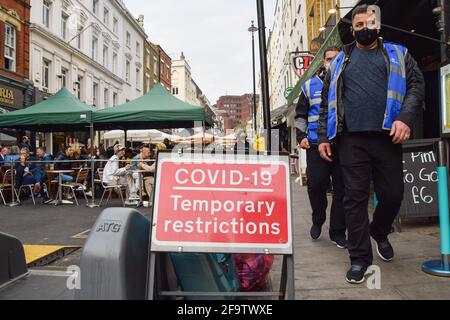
(88, 164)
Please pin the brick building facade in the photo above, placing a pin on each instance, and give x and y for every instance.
(236, 110)
(156, 60)
(16, 90)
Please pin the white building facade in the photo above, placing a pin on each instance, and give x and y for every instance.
(94, 48)
(288, 35)
(183, 87)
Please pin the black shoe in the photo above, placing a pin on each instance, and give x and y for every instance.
(385, 250)
(340, 242)
(315, 232)
(356, 274)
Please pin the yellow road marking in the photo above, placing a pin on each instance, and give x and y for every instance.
(36, 252)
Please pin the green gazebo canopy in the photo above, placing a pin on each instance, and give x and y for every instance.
(157, 109)
(60, 112)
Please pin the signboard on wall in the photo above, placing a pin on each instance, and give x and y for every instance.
(420, 179)
(302, 63)
(445, 100)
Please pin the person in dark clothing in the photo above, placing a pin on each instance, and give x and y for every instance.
(25, 143)
(242, 146)
(68, 154)
(318, 170)
(29, 173)
(370, 100)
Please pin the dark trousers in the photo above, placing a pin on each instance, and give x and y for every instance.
(30, 180)
(366, 157)
(319, 172)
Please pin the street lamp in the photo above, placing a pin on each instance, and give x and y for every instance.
(264, 73)
(253, 29)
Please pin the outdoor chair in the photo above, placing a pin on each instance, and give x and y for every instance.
(109, 188)
(78, 185)
(7, 185)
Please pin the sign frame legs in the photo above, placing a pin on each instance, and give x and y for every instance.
(155, 283)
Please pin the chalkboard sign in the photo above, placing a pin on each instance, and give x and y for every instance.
(420, 161)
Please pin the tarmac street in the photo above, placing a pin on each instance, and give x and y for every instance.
(320, 266)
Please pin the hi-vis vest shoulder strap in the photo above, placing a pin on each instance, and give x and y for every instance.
(313, 92)
(396, 87)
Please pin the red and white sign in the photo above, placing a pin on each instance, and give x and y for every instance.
(236, 205)
(302, 63)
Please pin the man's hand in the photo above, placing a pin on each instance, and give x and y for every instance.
(325, 151)
(128, 167)
(400, 132)
(305, 144)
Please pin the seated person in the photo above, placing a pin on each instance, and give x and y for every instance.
(42, 167)
(143, 156)
(12, 156)
(114, 175)
(3, 153)
(27, 173)
(62, 156)
(149, 181)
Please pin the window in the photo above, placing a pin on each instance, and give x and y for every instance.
(64, 20)
(127, 71)
(128, 40)
(106, 98)
(138, 78)
(46, 74)
(46, 13)
(115, 25)
(79, 41)
(155, 66)
(10, 47)
(64, 77)
(78, 86)
(138, 49)
(114, 63)
(115, 97)
(95, 6)
(147, 83)
(94, 48)
(95, 94)
(105, 56)
(106, 16)
(175, 90)
(147, 57)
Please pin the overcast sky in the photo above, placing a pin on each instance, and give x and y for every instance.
(213, 36)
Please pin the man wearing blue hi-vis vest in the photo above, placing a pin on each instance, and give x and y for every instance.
(318, 170)
(371, 97)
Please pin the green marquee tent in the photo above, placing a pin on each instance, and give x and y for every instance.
(155, 110)
(60, 112)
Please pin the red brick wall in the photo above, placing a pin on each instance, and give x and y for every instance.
(234, 116)
(165, 72)
(22, 38)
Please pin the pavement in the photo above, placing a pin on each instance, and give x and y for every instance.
(320, 266)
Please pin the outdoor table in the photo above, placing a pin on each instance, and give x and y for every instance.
(60, 173)
(141, 179)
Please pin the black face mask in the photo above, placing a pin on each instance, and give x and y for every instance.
(366, 36)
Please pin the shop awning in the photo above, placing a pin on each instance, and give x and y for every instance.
(157, 109)
(60, 112)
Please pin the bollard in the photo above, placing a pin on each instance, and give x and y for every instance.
(442, 267)
(114, 259)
